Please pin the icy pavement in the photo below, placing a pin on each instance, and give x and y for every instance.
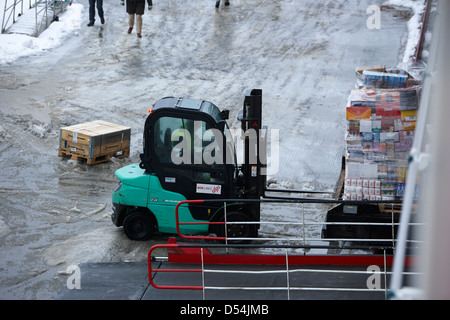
(302, 54)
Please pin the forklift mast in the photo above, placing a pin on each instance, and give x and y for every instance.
(255, 158)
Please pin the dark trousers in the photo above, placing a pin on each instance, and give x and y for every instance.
(92, 9)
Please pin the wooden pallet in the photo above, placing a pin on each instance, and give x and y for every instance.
(89, 151)
(396, 208)
(94, 160)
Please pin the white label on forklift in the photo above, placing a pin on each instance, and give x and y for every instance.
(209, 188)
(170, 180)
(254, 171)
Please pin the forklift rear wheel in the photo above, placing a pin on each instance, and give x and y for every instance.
(138, 226)
(237, 230)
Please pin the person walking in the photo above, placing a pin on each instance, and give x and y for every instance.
(92, 12)
(227, 3)
(135, 10)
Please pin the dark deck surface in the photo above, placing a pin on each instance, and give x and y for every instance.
(129, 281)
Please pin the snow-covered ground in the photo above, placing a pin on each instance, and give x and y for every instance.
(302, 54)
(14, 46)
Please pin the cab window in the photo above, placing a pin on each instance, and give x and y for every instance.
(212, 110)
(187, 143)
(163, 131)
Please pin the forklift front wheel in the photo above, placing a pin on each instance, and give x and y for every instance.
(138, 226)
(237, 230)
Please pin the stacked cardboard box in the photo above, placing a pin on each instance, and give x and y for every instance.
(95, 141)
(380, 132)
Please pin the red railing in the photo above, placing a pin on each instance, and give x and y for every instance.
(151, 270)
(301, 221)
(198, 254)
(178, 223)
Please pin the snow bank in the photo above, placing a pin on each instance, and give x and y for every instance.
(13, 46)
(414, 24)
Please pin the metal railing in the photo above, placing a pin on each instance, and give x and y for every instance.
(276, 255)
(302, 223)
(44, 11)
(290, 267)
(421, 162)
(9, 12)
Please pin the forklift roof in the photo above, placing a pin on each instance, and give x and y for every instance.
(190, 104)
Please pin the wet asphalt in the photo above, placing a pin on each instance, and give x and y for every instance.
(55, 212)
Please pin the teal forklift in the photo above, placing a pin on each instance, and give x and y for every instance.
(189, 154)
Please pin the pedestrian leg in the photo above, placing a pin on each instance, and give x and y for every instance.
(139, 25)
(130, 22)
(91, 13)
(100, 11)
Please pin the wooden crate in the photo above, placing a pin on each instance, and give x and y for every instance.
(96, 141)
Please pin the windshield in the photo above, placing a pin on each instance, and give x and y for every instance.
(212, 110)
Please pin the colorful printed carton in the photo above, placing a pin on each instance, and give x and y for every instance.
(380, 132)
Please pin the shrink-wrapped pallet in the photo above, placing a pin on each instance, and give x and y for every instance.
(379, 137)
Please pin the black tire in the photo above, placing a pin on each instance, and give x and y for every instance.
(237, 230)
(139, 226)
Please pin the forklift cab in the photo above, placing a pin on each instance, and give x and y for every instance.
(189, 154)
(188, 146)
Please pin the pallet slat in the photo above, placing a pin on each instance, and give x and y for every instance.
(95, 160)
(389, 208)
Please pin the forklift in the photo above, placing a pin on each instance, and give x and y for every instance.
(189, 154)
